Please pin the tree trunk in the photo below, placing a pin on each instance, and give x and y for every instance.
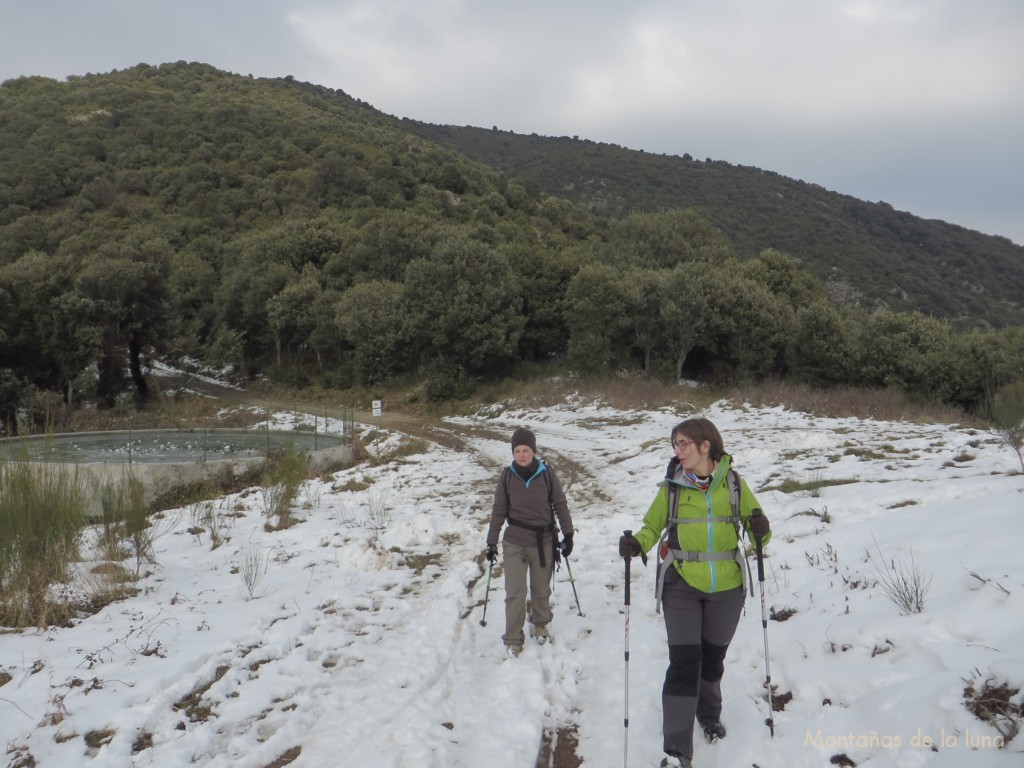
(135, 366)
(109, 372)
(680, 359)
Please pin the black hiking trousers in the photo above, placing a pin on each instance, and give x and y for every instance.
(700, 626)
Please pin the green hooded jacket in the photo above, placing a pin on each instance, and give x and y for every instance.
(708, 576)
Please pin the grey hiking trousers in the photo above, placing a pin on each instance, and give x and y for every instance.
(522, 564)
(700, 626)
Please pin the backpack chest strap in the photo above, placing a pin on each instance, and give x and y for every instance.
(688, 556)
(684, 520)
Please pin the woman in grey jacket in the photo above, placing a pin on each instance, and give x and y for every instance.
(529, 497)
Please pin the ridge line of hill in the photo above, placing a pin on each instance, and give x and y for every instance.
(867, 253)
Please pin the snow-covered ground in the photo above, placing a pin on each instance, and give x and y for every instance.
(361, 642)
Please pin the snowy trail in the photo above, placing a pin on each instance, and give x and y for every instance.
(363, 647)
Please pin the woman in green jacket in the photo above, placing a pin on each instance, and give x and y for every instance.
(695, 519)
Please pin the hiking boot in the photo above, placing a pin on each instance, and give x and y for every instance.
(540, 634)
(713, 730)
(676, 761)
(512, 650)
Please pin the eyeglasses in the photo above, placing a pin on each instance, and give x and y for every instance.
(682, 445)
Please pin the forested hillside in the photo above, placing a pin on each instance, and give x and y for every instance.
(864, 252)
(264, 224)
(285, 229)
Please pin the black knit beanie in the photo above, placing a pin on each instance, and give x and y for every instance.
(523, 436)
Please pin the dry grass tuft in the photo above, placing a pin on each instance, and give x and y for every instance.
(994, 705)
(640, 392)
(845, 402)
(194, 703)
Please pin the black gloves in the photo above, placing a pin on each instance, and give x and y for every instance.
(567, 545)
(492, 553)
(758, 525)
(628, 546)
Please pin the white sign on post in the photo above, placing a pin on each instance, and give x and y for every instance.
(378, 407)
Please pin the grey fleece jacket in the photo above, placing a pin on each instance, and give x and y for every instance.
(527, 502)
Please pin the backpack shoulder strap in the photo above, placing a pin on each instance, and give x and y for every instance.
(550, 487)
(741, 558)
(506, 478)
(734, 497)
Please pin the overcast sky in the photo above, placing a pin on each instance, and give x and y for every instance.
(919, 103)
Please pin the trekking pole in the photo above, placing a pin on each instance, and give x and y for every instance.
(625, 721)
(487, 594)
(764, 626)
(573, 582)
